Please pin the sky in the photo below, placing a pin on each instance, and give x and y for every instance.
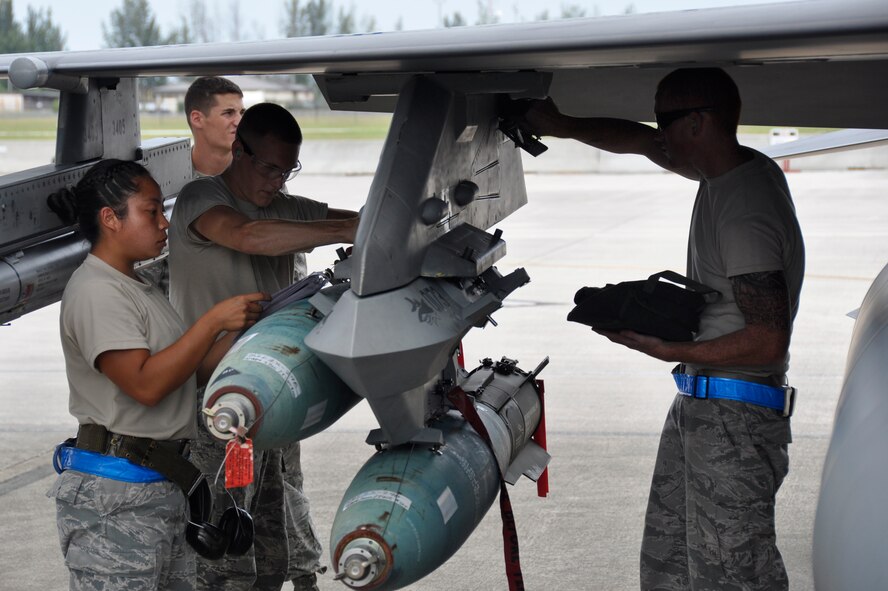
(260, 19)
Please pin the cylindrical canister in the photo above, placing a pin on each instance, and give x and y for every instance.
(411, 507)
(273, 385)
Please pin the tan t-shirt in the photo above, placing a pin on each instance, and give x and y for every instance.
(744, 222)
(203, 273)
(104, 310)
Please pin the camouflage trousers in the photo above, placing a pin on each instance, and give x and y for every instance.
(286, 546)
(710, 516)
(121, 535)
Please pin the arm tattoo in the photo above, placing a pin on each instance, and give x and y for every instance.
(763, 298)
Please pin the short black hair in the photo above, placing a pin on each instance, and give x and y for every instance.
(110, 183)
(202, 93)
(705, 87)
(269, 119)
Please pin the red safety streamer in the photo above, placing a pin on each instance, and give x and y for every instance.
(540, 437)
(510, 532)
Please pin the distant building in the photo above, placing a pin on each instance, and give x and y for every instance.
(170, 98)
(11, 102)
(28, 100)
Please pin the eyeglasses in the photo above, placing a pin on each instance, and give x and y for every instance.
(267, 170)
(667, 118)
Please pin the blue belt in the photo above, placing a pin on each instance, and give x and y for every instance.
(782, 399)
(67, 457)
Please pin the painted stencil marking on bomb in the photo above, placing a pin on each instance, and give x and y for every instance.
(473, 478)
(279, 368)
(380, 495)
(417, 540)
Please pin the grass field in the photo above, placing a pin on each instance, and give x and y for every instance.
(315, 125)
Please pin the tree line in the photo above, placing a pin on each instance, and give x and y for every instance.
(134, 24)
(37, 33)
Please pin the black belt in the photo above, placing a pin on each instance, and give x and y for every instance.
(166, 457)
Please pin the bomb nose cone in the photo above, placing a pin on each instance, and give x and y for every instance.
(225, 420)
(363, 563)
(359, 566)
(230, 412)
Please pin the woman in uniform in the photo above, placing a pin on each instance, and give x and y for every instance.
(131, 366)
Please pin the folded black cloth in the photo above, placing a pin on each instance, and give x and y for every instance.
(648, 306)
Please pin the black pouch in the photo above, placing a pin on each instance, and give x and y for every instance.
(649, 306)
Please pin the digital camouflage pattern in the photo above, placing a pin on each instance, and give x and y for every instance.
(302, 538)
(710, 516)
(123, 536)
(286, 546)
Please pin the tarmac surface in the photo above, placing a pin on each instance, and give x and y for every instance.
(605, 404)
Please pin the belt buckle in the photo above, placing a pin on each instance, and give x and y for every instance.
(788, 400)
(113, 446)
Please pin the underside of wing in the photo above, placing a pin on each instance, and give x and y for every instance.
(820, 63)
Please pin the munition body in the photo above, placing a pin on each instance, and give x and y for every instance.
(273, 385)
(412, 506)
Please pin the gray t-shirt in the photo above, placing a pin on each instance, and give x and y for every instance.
(104, 310)
(203, 273)
(744, 222)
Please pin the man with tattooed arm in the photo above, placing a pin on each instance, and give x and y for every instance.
(723, 449)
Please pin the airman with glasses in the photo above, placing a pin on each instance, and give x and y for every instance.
(266, 169)
(240, 229)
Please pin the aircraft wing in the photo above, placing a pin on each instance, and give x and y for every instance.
(788, 59)
(836, 141)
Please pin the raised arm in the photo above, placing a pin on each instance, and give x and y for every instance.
(230, 228)
(149, 378)
(619, 136)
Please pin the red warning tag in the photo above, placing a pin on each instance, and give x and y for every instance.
(238, 463)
